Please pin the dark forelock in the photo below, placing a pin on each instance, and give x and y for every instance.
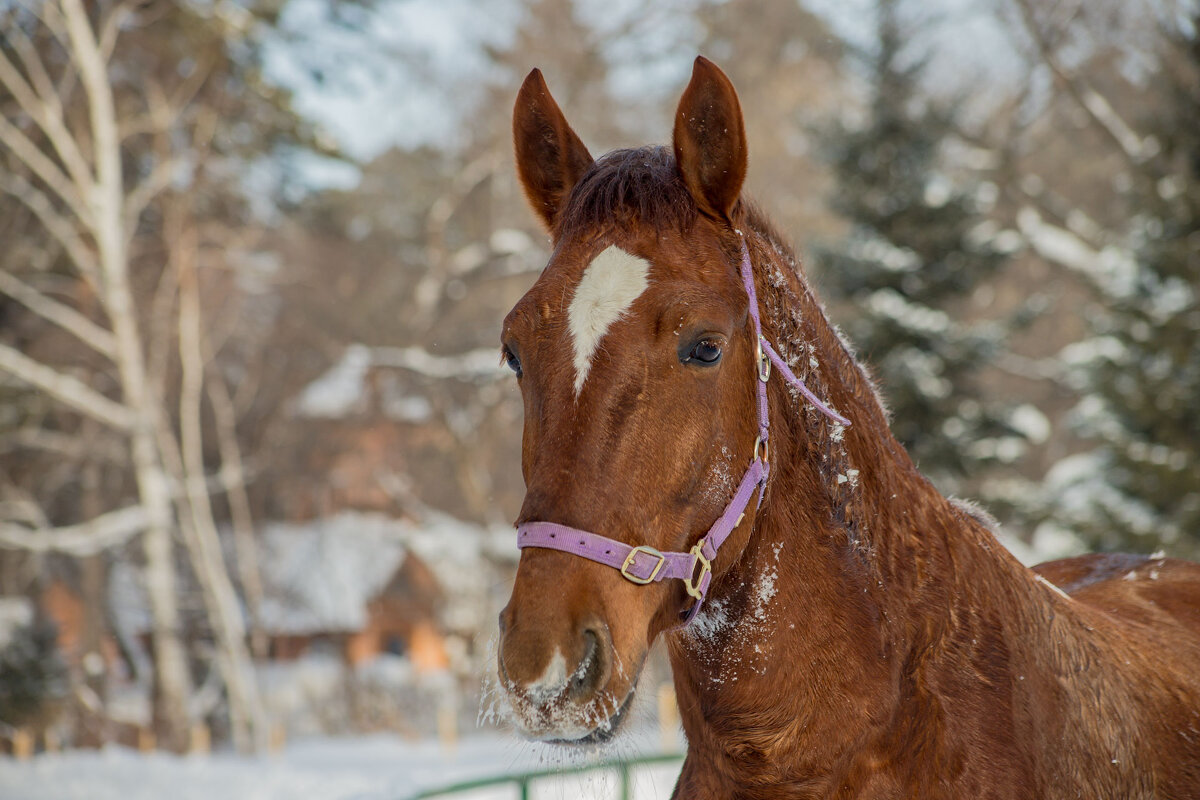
(637, 186)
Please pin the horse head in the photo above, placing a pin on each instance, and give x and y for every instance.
(636, 357)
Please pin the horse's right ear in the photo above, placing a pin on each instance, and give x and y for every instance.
(550, 157)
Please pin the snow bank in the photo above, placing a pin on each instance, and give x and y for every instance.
(362, 768)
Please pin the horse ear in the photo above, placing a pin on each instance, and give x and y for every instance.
(710, 140)
(550, 156)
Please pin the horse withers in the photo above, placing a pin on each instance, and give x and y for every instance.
(705, 460)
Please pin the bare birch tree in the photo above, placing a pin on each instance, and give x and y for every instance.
(65, 137)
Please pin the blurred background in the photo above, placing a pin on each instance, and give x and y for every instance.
(258, 462)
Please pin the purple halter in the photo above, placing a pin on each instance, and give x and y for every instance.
(644, 564)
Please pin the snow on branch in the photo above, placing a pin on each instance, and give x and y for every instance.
(479, 363)
(343, 385)
(1136, 149)
(1111, 269)
(85, 539)
(65, 389)
(1054, 243)
(1134, 146)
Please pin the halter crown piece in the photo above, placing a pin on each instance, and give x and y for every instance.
(644, 564)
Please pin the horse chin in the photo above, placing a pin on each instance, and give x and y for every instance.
(551, 716)
(605, 731)
(572, 726)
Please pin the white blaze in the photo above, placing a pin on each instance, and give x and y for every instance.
(608, 288)
(552, 681)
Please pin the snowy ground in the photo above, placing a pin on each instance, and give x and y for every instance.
(379, 767)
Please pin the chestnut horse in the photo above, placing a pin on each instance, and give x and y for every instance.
(859, 634)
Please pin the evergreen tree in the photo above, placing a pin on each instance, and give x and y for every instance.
(906, 265)
(1140, 487)
(32, 674)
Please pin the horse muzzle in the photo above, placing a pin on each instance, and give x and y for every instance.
(560, 688)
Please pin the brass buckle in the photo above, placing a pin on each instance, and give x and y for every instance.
(633, 554)
(764, 363)
(693, 581)
(761, 443)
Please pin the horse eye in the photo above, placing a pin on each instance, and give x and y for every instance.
(706, 352)
(510, 360)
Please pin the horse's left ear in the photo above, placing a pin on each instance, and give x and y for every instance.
(710, 140)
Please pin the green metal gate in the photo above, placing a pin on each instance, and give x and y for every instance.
(524, 781)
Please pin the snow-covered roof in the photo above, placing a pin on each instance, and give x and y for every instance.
(463, 556)
(320, 575)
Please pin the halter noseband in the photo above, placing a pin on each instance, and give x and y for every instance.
(644, 564)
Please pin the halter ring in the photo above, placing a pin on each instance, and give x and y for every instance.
(693, 582)
(764, 363)
(761, 443)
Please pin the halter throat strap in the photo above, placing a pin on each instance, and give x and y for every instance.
(643, 564)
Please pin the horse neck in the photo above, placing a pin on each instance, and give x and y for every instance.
(856, 487)
(855, 561)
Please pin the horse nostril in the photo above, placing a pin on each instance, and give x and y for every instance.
(590, 673)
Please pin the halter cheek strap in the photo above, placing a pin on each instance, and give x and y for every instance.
(644, 564)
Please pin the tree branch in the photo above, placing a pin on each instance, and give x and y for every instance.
(425, 294)
(61, 315)
(38, 76)
(107, 195)
(137, 200)
(244, 708)
(28, 154)
(1094, 104)
(234, 475)
(1068, 214)
(68, 445)
(47, 113)
(65, 389)
(85, 539)
(1056, 244)
(110, 28)
(55, 223)
(1111, 269)
(49, 16)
